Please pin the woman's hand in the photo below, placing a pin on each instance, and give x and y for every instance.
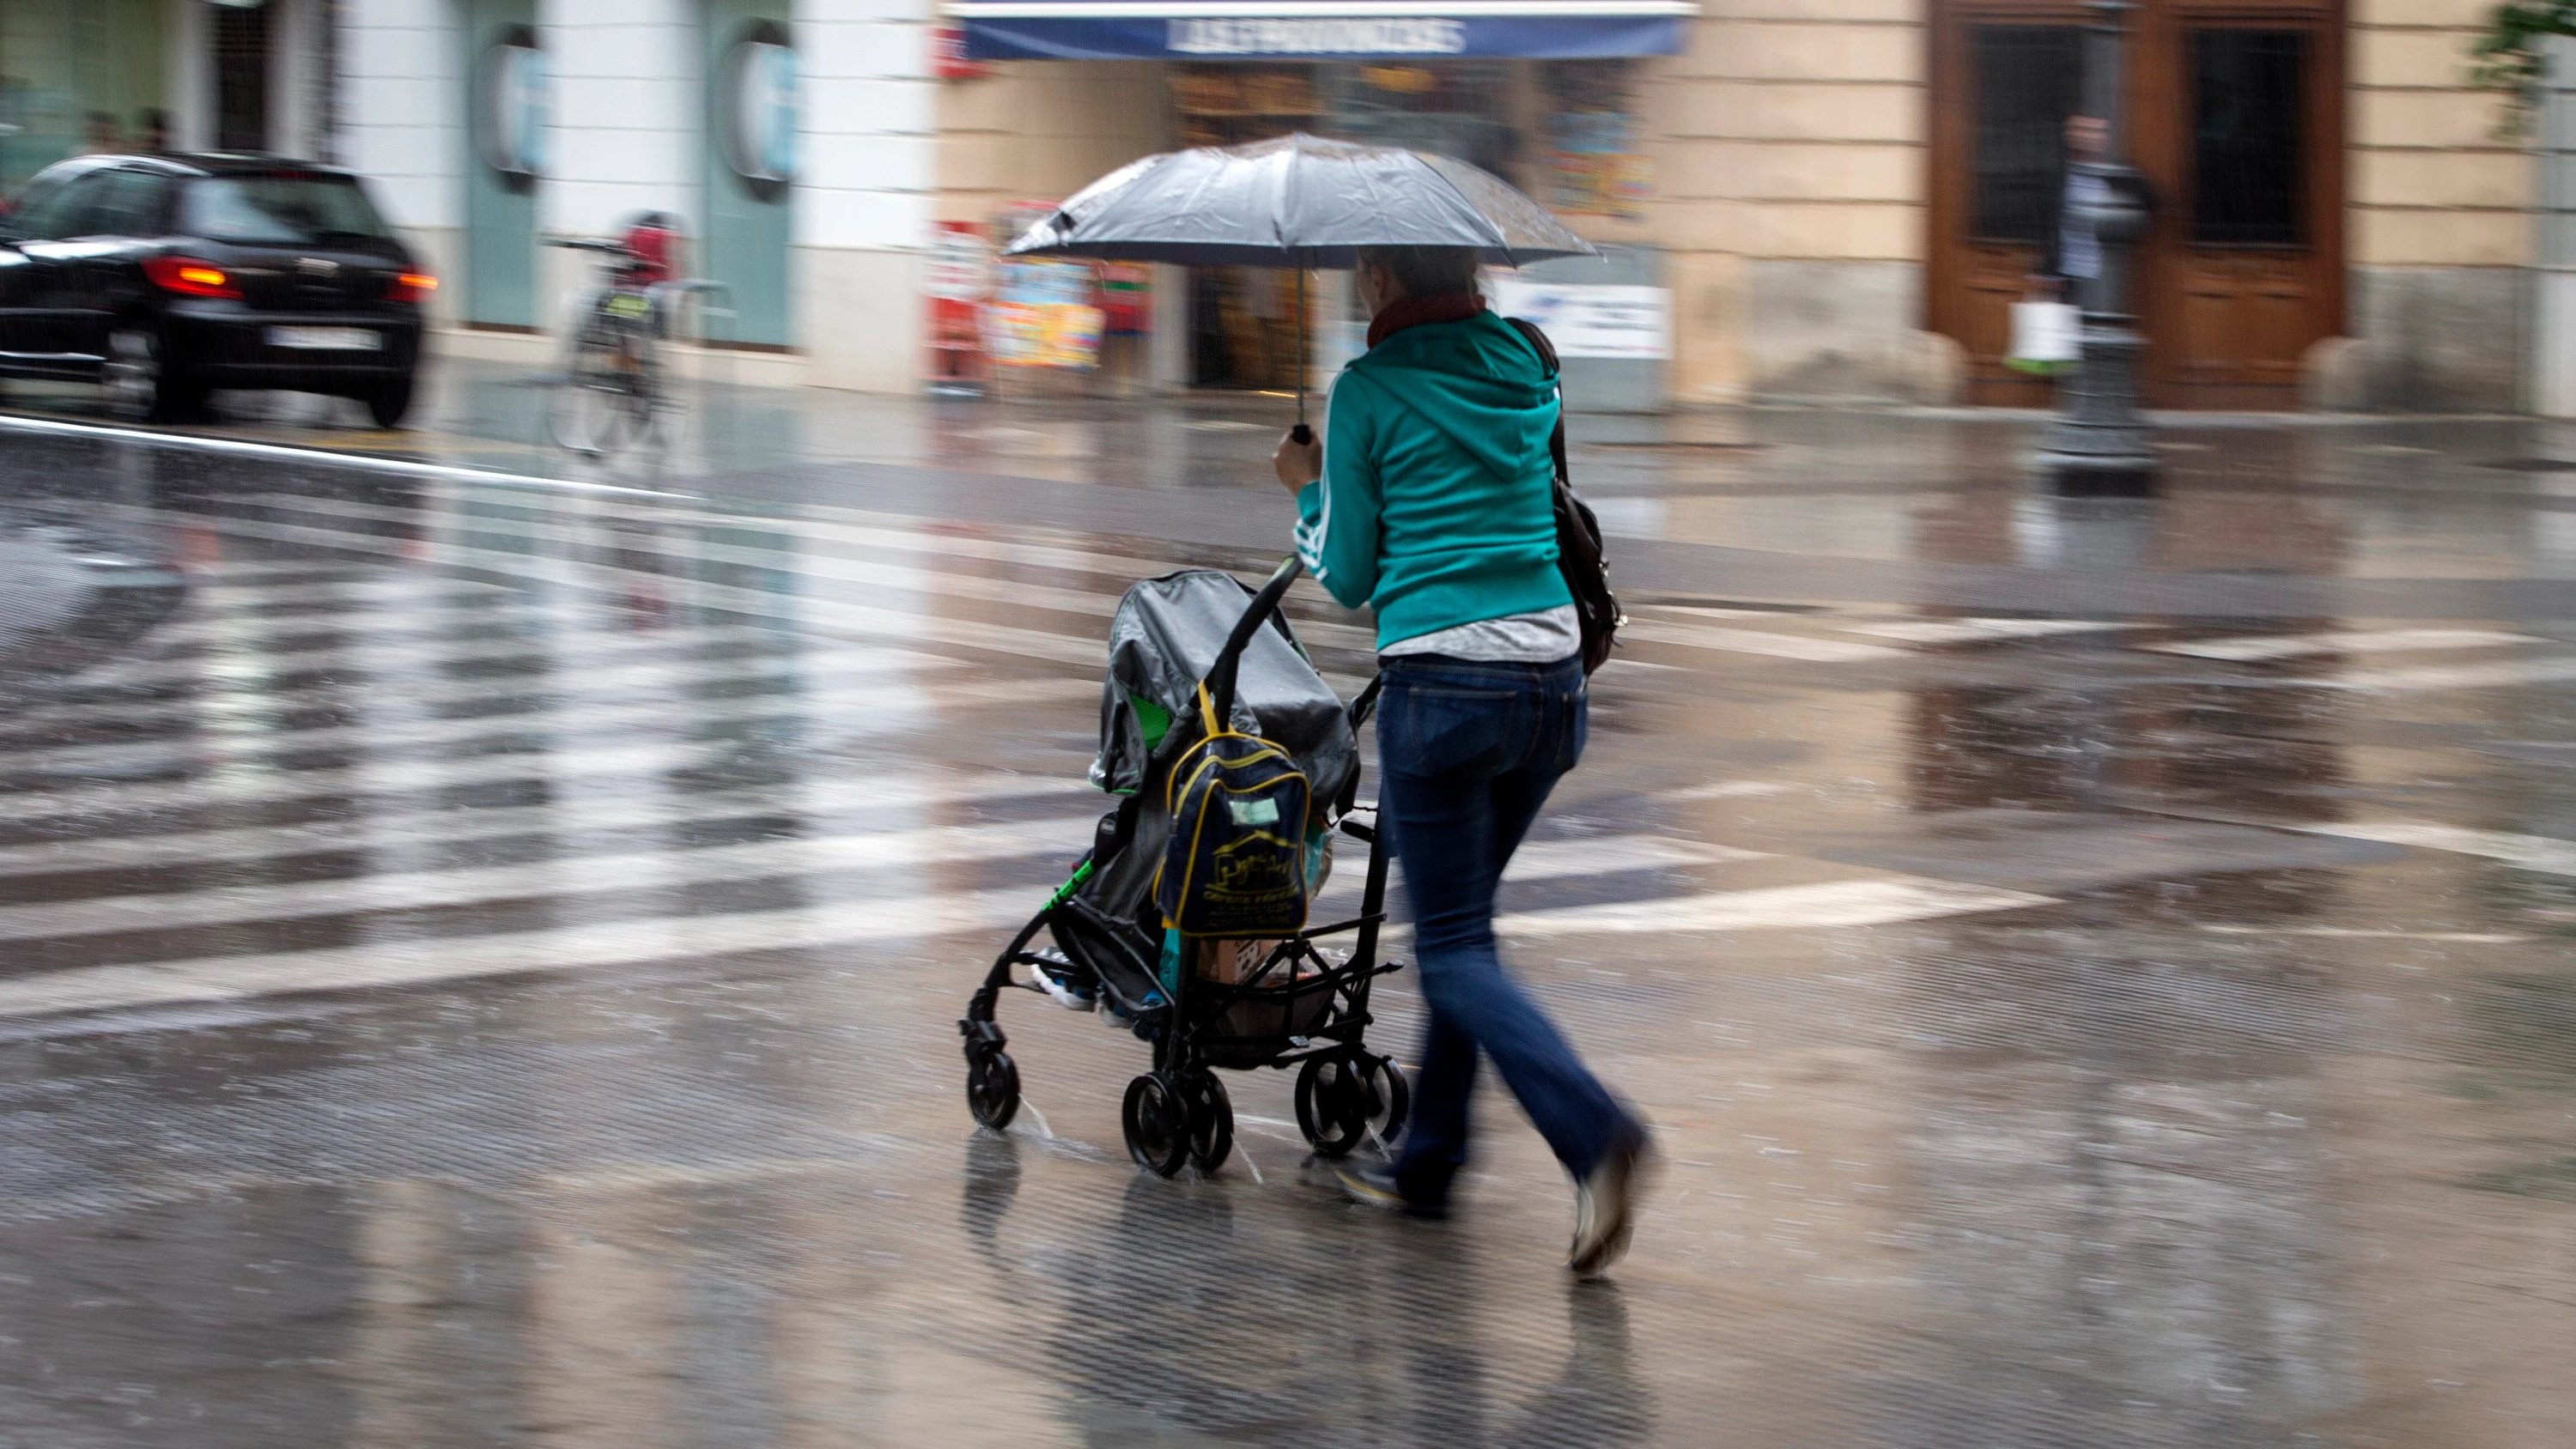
(1296, 463)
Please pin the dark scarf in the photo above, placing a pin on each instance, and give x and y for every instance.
(1406, 312)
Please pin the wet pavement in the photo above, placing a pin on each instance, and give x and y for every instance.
(486, 932)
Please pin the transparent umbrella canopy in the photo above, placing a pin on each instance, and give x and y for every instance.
(1297, 201)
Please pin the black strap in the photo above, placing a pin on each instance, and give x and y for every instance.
(1546, 351)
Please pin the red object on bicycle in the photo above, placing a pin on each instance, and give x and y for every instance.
(655, 244)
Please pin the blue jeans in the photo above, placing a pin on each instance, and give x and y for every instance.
(1468, 752)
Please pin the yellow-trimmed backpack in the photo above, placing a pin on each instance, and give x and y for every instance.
(1236, 862)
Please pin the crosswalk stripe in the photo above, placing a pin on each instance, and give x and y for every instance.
(404, 776)
(1059, 836)
(2526, 852)
(856, 685)
(2501, 675)
(1724, 790)
(610, 944)
(590, 717)
(913, 917)
(244, 601)
(1979, 631)
(1064, 836)
(2294, 646)
(1561, 859)
(435, 650)
(889, 531)
(1831, 903)
(839, 568)
(393, 829)
(1752, 641)
(262, 699)
(815, 614)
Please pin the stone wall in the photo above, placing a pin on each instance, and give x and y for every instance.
(2438, 228)
(1790, 167)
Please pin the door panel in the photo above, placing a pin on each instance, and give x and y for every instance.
(505, 120)
(2248, 262)
(750, 165)
(2234, 120)
(2017, 72)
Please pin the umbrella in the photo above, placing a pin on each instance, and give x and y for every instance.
(1298, 201)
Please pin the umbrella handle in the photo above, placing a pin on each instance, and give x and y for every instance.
(1301, 434)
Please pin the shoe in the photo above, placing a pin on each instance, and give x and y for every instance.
(1605, 1203)
(1058, 978)
(1373, 1184)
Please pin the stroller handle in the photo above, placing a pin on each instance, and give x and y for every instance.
(1229, 660)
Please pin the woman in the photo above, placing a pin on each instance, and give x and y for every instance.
(1430, 501)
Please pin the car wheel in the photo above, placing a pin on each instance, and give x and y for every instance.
(144, 380)
(389, 402)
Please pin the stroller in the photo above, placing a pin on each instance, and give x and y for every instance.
(1206, 1004)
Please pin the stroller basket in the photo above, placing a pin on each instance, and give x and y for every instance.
(1283, 1003)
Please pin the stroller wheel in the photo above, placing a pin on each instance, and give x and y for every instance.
(993, 1088)
(1211, 1119)
(1156, 1118)
(1343, 1098)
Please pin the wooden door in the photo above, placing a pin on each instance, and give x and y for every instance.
(2234, 118)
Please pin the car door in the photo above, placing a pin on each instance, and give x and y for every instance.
(127, 217)
(54, 251)
(35, 217)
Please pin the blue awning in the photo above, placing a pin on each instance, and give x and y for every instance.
(1318, 29)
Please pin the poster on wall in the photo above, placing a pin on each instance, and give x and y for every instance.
(1043, 312)
(1593, 162)
(1592, 166)
(1590, 321)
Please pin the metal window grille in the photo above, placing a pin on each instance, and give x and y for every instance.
(2025, 78)
(2248, 170)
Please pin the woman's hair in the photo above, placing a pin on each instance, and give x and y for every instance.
(1426, 271)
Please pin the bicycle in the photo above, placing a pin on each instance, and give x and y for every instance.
(613, 388)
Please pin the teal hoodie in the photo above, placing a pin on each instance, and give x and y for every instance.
(1437, 503)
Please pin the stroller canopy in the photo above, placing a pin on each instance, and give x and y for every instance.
(1164, 640)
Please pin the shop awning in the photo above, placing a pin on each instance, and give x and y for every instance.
(1317, 29)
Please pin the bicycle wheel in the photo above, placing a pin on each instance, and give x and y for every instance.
(599, 400)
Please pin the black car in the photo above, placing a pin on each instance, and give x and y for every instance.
(165, 276)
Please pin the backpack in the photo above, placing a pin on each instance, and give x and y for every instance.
(1236, 861)
(1578, 533)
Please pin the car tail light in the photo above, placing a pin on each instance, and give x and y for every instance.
(190, 277)
(410, 287)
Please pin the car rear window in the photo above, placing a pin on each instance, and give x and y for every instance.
(299, 208)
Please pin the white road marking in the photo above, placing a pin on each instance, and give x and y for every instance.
(1558, 859)
(250, 698)
(1724, 790)
(841, 568)
(397, 776)
(582, 813)
(914, 917)
(563, 875)
(580, 719)
(2294, 646)
(1980, 631)
(2467, 938)
(2502, 675)
(2526, 852)
(568, 646)
(1752, 641)
(813, 614)
(1829, 903)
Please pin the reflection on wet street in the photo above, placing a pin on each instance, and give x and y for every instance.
(483, 953)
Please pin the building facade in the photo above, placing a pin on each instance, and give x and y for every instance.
(1841, 198)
